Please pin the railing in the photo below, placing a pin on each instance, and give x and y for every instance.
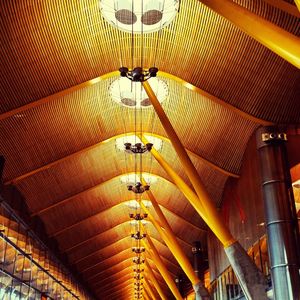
(226, 286)
(28, 270)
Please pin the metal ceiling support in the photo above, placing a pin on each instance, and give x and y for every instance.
(154, 281)
(149, 288)
(298, 4)
(146, 295)
(166, 232)
(280, 213)
(250, 278)
(120, 274)
(285, 6)
(153, 253)
(102, 212)
(74, 246)
(96, 80)
(101, 262)
(100, 249)
(112, 229)
(121, 282)
(89, 148)
(95, 275)
(281, 42)
(126, 287)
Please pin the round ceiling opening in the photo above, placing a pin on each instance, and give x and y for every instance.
(139, 16)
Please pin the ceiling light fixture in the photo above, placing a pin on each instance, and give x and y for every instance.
(131, 93)
(132, 139)
(139, 16)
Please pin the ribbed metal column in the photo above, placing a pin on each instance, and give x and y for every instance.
(197, 258)
(279, 213)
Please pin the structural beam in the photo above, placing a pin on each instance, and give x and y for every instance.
(107, 260)
(96, 80)
(285, 6)
(117, 282)
(102, 212)
(241, 263)
(121, 289)
(166, 232)
(99, 144)
(298, 4)
(96, 274)
(148, 288)
(152, 251)
(90, 239)
(281, 42)
(100, 250)
(119, 274)
(154, 281)
(98, 235)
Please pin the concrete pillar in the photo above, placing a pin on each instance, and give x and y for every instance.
(280, 218)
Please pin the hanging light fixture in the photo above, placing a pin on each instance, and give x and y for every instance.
(139, 16)
(131, 93)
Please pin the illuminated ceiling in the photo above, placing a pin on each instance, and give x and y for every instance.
(58, 123)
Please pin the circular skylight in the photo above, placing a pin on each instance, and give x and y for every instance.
(132, 94)
(139, 16)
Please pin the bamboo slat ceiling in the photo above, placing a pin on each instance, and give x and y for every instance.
(60, 151)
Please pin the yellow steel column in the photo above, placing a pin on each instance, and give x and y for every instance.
(172, 243)
(298, 4)
(214, 222)
(249, 276)
(154, 281)
(146, 295)
(149, 289)
(271, 36)
(162, 268)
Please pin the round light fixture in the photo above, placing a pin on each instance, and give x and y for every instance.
(131, 94)
(139, 16)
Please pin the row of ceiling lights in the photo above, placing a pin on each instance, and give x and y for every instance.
(138, 17)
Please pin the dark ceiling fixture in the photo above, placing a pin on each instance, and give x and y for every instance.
(138, 188)
(138, 216)
(138, 260)
(138, 250)
(138, 148)
(138, 74)
(138, 235)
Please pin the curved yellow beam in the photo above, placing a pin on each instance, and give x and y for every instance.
(73, 155)
(149, 288)
(153, 253)
(298, 4)
(127, 237)
(281, 42)
(41, 211)
(117, 73)
(81, 243)
(204, 204)
(166, 232)
(154, 281)
(83, 270)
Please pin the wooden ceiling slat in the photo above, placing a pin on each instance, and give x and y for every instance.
(56, 109)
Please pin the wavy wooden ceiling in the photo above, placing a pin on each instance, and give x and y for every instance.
(50, 46)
